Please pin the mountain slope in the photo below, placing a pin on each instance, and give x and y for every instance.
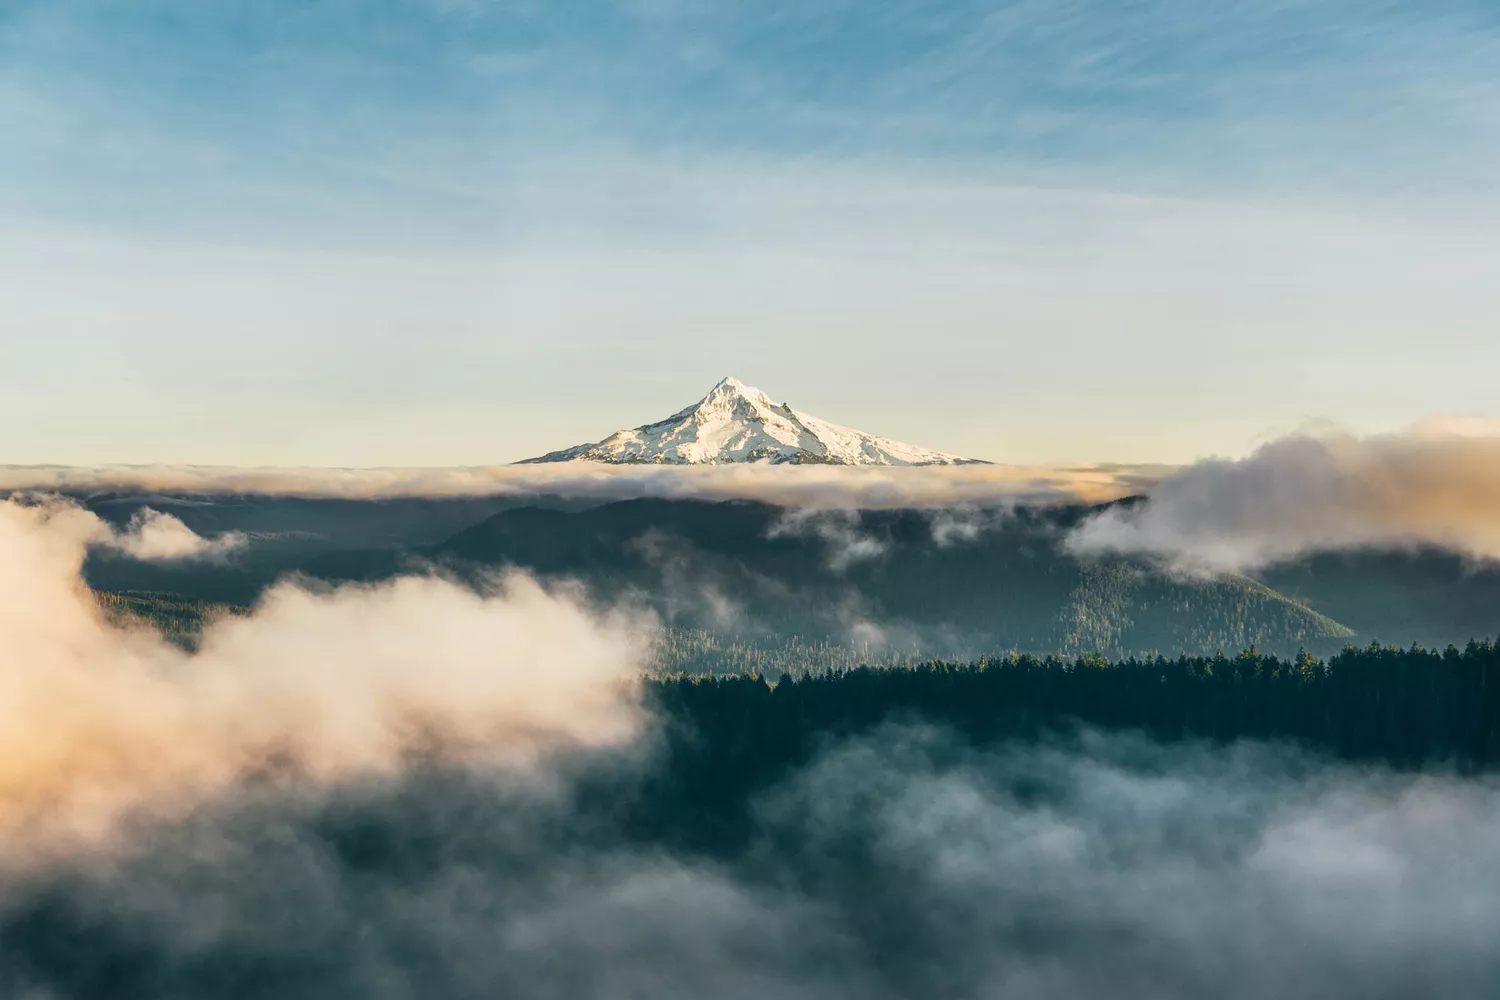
(882, 579)
(739, 423)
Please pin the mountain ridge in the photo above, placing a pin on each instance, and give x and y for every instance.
(739, 424)
(741, 567)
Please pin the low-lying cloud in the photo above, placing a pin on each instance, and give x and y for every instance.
(1431, 486)
(155, 536)
(841, 532)
(356, 792)
(791, 486)
(903, 864)
(690, 588)
(150, 535)
(98, 723)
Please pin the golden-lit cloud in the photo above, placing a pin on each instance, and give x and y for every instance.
(1435, 485)
(788, 485)
(100, 722)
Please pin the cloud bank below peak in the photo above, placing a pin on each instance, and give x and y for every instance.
(1435, 485)
(813, 486)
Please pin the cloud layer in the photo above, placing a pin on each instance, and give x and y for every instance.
(793, 486)
(416, 790)
(150, 535)
(1427, 487)
(155, 536)
(899, 865)
(99, 723)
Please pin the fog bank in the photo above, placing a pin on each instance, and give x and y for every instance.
(98, 722)
(792, 486)
(897, 865)
(1431, 486)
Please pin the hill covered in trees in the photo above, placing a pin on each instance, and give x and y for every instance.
(878, 586)
(731, 737)
(1403, 706)
(937, 583)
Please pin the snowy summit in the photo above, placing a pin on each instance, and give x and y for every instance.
(739, 423)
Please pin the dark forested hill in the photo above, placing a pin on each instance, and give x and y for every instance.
(730, 737)
(1422, 595)
(933, 582)
(883, 586)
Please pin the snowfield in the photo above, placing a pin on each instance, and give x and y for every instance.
(739, 423)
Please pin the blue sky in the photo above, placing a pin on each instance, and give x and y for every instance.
(453, 231)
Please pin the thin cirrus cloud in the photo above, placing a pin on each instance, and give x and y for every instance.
(1106, 200)
(1075, 85)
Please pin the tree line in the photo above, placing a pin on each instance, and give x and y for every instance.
(728, 736)
(1408, 707)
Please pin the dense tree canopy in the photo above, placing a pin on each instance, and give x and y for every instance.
(729, 736)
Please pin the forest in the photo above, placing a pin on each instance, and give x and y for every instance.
(762, 703)
(1404, 707)
(750, 586)
(790, 815)
(730, 736)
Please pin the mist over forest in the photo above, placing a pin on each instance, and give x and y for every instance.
(408, 593)
(275, 746)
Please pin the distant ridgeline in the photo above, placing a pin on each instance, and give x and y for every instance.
(800, 584)
(1408, 707)
(1008, 584)
(675, 650)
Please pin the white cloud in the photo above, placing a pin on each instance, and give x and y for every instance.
(155, 536)
(99, 724)
(1309, 493)
(827, 487)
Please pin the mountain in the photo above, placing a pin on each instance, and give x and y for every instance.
(878, 585)
(739, 568)
(739, 423)
(886, 579)
(1422, 595)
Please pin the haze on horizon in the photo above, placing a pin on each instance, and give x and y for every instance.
(454, 232)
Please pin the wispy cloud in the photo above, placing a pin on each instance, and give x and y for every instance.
(840, 531)
(1117, 200)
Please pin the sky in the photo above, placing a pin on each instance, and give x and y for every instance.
(451, 232)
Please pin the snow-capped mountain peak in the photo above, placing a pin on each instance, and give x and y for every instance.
(739, 423)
